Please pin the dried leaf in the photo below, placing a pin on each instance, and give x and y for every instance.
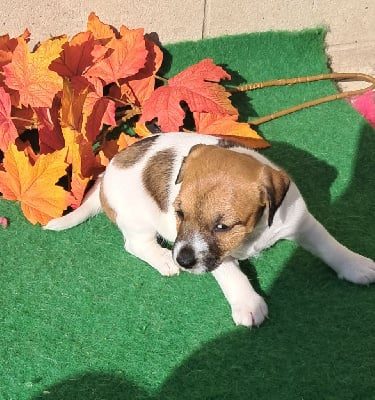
(7, 46)
(8, 131)
(50, 134)
(125, 57)
(141, 130)
(79, 153)
(23, 118)
(112, 147)
(77, 190)
(228, 125)
(101, 31)
(35, 185)
(72, 101)
(197, 87)
(29, 73)
(138, 88)
(78, 55)
(103, 112)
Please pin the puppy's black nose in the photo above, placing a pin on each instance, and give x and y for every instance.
(186, 257)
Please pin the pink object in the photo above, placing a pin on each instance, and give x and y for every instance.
(365, 104)
(4, 222)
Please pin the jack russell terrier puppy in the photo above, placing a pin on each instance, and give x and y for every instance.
(218, 202)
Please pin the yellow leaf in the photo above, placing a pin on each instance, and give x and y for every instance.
(35, 185)
(141, 130)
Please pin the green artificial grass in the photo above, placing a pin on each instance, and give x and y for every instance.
(81, 319)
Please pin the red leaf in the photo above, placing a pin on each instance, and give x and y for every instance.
(50, 134)
(103, 112)
(197, 87)
(8, 131)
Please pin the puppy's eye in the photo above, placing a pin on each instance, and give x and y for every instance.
(180, 214)
(221, 228)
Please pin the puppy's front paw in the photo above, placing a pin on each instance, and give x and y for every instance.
(166, 266)
(251, 312)
(359, 269)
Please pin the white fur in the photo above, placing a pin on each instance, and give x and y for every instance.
(140, 220)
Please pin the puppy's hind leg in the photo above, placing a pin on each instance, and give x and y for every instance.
(145, 246)
(349, 265)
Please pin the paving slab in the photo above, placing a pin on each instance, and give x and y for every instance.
(351, 25)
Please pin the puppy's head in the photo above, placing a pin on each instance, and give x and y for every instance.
(222, 197)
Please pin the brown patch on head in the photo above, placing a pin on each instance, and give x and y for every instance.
(132, 154)
(157, 177)
(223, 195)
(108, 210)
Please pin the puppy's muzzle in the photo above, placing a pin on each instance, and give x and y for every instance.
(196, 258)
(186, 257)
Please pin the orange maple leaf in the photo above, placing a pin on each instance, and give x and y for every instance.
(227, 125)
(139, 87)
(80, 53)
(8, 131)
(7, 46)
(101, 31)
(34, 185)
(125, 57)
(78, 186)
(197, 86)
(29, 73)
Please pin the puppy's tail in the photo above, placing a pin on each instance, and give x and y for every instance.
(90, 207)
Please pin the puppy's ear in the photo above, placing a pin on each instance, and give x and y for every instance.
(194, 151)
(181, 171)
(275, 185)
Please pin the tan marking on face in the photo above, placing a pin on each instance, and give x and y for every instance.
(132, 154)
(221, 188)
(108, 210)
(157, 177)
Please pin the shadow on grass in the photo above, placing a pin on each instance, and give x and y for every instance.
(319, 343)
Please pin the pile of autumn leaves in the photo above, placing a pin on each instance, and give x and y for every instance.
(68, 106)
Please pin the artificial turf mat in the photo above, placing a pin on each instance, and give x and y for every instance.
(81, 319)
